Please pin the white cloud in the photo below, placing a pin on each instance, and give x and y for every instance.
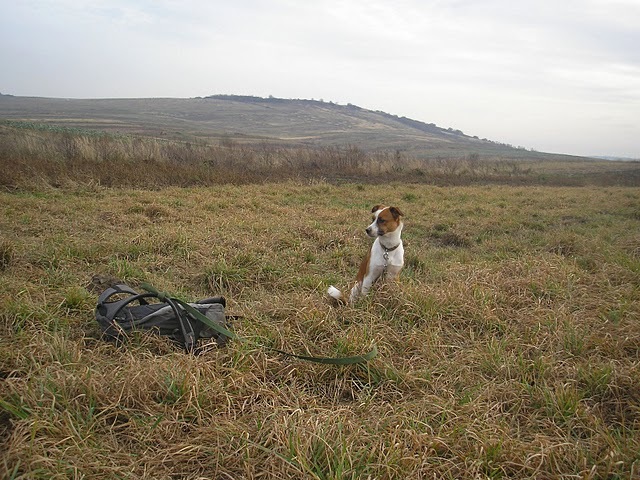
(520, 72)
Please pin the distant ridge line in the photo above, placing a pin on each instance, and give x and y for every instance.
(409, 122)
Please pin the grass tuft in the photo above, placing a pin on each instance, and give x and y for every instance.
(7, 252)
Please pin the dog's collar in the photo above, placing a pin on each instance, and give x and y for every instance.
(387, 250)
(385, 255)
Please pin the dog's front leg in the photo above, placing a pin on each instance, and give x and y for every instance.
(356, 291)
(362, 288)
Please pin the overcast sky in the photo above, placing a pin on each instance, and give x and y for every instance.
(553, 75)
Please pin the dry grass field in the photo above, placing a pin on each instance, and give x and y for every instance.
(39, 154)
(509, 348)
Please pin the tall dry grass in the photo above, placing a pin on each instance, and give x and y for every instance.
(509, 349)
(36, 155)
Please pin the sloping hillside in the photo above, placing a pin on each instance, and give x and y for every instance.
(242, 118)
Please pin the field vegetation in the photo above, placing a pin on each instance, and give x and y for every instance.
(39, 154)
(509, 348)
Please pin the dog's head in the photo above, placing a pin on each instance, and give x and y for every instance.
(385, 220)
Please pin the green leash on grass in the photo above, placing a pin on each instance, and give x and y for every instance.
(163, 296)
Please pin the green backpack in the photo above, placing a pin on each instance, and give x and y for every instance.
(121, 310)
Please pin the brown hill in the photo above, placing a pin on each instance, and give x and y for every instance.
(255, 119)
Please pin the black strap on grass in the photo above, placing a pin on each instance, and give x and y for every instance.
(114, 308)
(163, 296)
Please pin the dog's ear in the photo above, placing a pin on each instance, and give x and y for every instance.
(376, 208)
(396, 212)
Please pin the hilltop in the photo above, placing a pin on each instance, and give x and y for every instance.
(256, 119)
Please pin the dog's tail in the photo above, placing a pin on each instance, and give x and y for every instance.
(336, 294)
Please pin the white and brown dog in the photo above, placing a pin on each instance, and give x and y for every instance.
(386, 256)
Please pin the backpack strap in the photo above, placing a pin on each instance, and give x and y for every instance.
(207, 301)
(185, 326)
(110, 310)
(115, 289)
